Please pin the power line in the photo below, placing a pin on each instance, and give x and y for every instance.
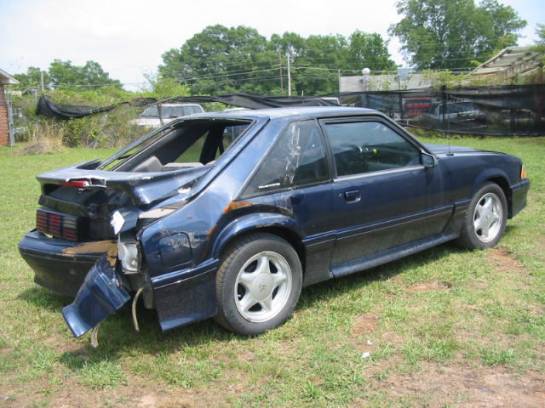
(250, 75)
(274, 68)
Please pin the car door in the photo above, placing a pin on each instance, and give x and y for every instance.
(294, 179)
(384, 198)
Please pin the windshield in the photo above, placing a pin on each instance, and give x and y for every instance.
(169, 111)
(191, 143)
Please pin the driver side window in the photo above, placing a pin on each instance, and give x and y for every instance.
(364, 147)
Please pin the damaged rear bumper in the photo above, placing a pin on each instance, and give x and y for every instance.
(100, 296)
(81, 270)
(55, 264)
(84, 272)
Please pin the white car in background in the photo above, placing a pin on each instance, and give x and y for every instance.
(169, 111)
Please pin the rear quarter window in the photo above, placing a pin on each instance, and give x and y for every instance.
(297, 158)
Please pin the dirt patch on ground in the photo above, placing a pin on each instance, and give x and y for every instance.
(504, 261)
(427, 286)
(167, 400)
(135, 393)
(364, 325)
(468, 386)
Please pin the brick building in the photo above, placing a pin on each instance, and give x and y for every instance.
(5, 79)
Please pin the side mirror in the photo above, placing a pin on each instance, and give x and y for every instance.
(428, 160)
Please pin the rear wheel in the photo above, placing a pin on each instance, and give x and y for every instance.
(485, 219)
(258, 284)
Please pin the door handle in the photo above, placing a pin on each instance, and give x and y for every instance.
(352, 196)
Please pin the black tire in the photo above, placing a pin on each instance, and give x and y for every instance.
(469, 237)
(233, 260)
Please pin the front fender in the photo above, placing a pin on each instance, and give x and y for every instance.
(487, 174)
(252, 222)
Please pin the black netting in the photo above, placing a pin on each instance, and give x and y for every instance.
(500, 110)
(48, 108)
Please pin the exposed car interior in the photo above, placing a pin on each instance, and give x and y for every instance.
(189, 144)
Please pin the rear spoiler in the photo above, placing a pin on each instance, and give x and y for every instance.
(143, 188)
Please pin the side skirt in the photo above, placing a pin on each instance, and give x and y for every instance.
(391, 255)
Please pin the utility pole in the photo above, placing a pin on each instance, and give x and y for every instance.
(281, 76)
(289, 73)
(42, 81)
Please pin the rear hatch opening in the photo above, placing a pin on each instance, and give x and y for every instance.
(78, 202)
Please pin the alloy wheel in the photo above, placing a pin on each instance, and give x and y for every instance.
(488, 217)
(263, 286)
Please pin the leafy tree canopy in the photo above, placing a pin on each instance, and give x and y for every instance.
(32, 78)
(222, 60)
(449, 34)
(63, 74)
(540, 31)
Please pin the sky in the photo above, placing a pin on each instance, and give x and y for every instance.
(127, 37)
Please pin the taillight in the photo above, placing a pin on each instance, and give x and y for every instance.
(41, 221)
(58, 225)
(55, 224)
(70, 228)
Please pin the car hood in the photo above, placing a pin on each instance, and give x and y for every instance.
(444, 149)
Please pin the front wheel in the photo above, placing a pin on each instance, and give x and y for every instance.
(258, 284)
(485, 219)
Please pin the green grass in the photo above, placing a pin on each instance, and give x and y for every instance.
(444, 310)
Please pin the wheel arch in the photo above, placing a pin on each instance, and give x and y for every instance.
(500, 178)
(504, 185)
(275, 224)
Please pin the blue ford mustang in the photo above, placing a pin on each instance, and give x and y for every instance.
(230, 215)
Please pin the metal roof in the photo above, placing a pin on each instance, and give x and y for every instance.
(510, 61)
(6, 78)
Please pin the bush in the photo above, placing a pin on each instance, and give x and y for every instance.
(44, 137)
(110, 129)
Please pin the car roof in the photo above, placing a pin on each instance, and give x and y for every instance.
(302, 112)
(180, 104)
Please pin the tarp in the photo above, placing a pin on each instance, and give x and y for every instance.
(47, 107)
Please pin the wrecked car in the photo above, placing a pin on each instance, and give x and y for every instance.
(229, 215)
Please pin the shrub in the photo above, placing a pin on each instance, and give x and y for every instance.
(108, 129)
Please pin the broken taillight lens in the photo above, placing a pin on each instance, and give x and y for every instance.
(77, 183)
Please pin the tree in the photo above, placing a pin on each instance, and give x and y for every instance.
(221, 60)
(165, 87)
(448, 34)
(94, 75)
(313, 61)
(32, 78)
(317, 59)
(369, 50)
(63, 74)
(540, 31)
